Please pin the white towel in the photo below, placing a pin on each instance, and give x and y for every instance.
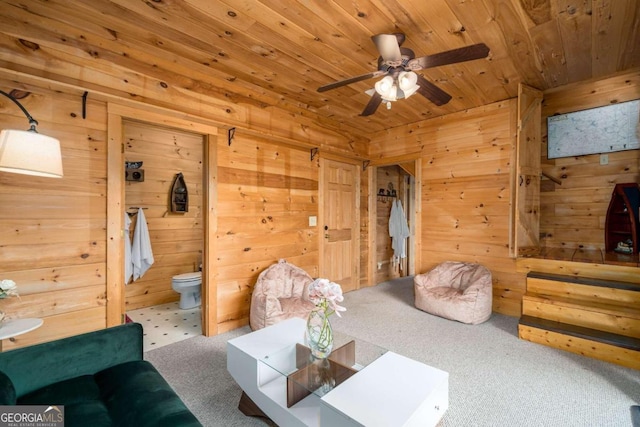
(128, 263)
(141, 253)
(398, 230)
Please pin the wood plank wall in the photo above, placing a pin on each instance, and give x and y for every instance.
(573, 214)
(466, 166)
(53, 239)
(465, 195)
(53, 231)
(266, 194)
(177, 239)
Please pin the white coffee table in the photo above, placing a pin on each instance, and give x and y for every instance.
(391, 390)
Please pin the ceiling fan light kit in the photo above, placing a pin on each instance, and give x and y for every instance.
(403, 86)
(387, 88)
(407, 80)
(397, 66)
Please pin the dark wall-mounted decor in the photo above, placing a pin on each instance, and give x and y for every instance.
(136, 175)
(133, 165)
(132, 171)
(622, 227)
(179, 194)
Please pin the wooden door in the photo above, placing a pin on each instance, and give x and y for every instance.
(340, 213)
(526, 208)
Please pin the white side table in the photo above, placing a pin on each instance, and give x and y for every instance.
(15, 327)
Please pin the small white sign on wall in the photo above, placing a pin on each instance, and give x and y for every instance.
(598, 130)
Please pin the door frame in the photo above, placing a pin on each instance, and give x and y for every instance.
(321, 217)
(524, 218)
(415, 213)
(116, 115)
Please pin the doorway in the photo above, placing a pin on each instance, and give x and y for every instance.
(189, 247)
(396, 183)
(155, 158)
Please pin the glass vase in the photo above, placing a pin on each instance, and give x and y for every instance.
(319, 335)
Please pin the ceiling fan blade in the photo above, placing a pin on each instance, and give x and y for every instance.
(432, 92)
(350, 80)
(467, 53)
(373, 104)
(388, 46)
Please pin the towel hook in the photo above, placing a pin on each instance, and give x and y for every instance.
(136, 208)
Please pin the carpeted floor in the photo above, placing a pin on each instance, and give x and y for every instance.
(495, 378)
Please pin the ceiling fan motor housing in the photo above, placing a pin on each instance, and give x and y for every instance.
(406, 56)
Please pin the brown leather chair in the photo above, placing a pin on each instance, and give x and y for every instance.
(455, 290)
(281, 292)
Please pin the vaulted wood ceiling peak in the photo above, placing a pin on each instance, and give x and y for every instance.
(219, 54)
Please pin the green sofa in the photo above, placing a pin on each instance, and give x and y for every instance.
(99, 377)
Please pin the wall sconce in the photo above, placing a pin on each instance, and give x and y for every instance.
(28, 152)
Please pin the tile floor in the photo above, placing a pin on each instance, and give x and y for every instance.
(167, 323)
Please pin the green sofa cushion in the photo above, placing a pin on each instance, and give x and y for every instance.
(80, 396)
(7, 390)
(137, 395)
(31, 368)
(130, 394)
(87, 414)
(69, 392)
(99, 377)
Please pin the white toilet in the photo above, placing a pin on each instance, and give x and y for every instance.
(188, 286)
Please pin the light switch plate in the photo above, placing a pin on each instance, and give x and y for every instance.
(604, 159)
(313, 221)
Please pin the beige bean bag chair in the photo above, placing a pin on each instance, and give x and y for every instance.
(280, 293)
(455, 290)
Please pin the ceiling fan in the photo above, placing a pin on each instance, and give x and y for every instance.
(398, 65)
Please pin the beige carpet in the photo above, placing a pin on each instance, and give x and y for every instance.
(495, 378)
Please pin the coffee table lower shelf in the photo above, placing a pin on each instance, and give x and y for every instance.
(320, 373)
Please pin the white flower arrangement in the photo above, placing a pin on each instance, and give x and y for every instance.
(326, 295)
(8, 288)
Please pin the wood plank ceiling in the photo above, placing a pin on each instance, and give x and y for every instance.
(278, 52)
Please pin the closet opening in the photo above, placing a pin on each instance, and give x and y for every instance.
(394, 216)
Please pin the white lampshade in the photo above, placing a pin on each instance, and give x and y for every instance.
(30, 153)
(386, 88)
(407, 79)
(407, 82)
(410, 91)
(384, 85)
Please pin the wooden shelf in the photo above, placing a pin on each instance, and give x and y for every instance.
(622, 218)
(593, 256)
